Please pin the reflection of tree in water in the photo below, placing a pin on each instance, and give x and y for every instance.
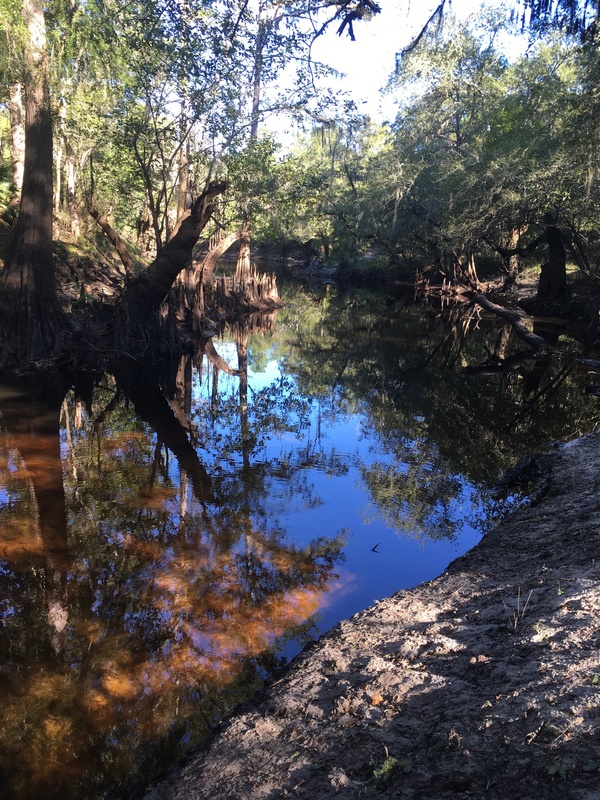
(452, 399)
(415, 499)
(171, 578)
(175, 591)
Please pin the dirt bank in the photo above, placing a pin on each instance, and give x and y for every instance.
(482, 683)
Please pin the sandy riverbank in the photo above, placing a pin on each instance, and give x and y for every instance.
(484, 683)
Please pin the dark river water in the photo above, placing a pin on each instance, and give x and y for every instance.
(169, 538)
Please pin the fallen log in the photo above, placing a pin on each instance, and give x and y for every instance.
(515, 320)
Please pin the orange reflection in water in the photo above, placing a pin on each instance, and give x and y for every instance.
(160, 621)
(19, 537)
(213, 620)
(20, 533)
(40, 466)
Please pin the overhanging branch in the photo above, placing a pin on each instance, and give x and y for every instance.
(515, 320)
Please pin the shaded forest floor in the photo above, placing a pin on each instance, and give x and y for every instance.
(484, 683)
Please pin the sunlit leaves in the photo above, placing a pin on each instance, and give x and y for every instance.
(481, 150)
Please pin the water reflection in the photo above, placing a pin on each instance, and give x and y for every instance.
(167, 536)
(153, 609)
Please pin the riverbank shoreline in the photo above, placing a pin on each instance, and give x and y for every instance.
(484, 682)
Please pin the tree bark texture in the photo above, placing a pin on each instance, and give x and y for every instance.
(30, 316)
(242, 268)
(151, 287)
(553, 277)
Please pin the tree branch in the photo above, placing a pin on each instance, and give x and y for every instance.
(516, 321)
(151, 287)
(436, 16)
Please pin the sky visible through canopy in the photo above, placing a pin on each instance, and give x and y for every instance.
(368, 62)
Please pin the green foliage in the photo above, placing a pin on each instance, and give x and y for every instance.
(252, 171)
(155, 97)
(384, 773)
(314, 183)
(5, 183)
(481, 154)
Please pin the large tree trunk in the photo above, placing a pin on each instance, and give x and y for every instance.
(151, 287)
(553, 277)
(30, 317)
(242, 268)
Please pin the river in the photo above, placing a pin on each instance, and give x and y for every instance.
(169, 537)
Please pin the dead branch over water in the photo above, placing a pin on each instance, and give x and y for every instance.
(516, 321)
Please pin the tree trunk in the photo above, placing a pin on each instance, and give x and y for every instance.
(191, 281)
(71, 171)
(58, 165)
(184, 168)
(218, 361)
(143, 241)
(151, 287)
(553, 277)
(113, 237)
(463, 269)
(242, 268)
(519, 327)
(151, 405)
(150, 195)
(17, 139)
(31, 320)
(17, 142)
(212, 257)
(241, 340)
(512, 261)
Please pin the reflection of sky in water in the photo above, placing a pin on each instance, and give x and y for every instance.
(398, 561)
(184, 563)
